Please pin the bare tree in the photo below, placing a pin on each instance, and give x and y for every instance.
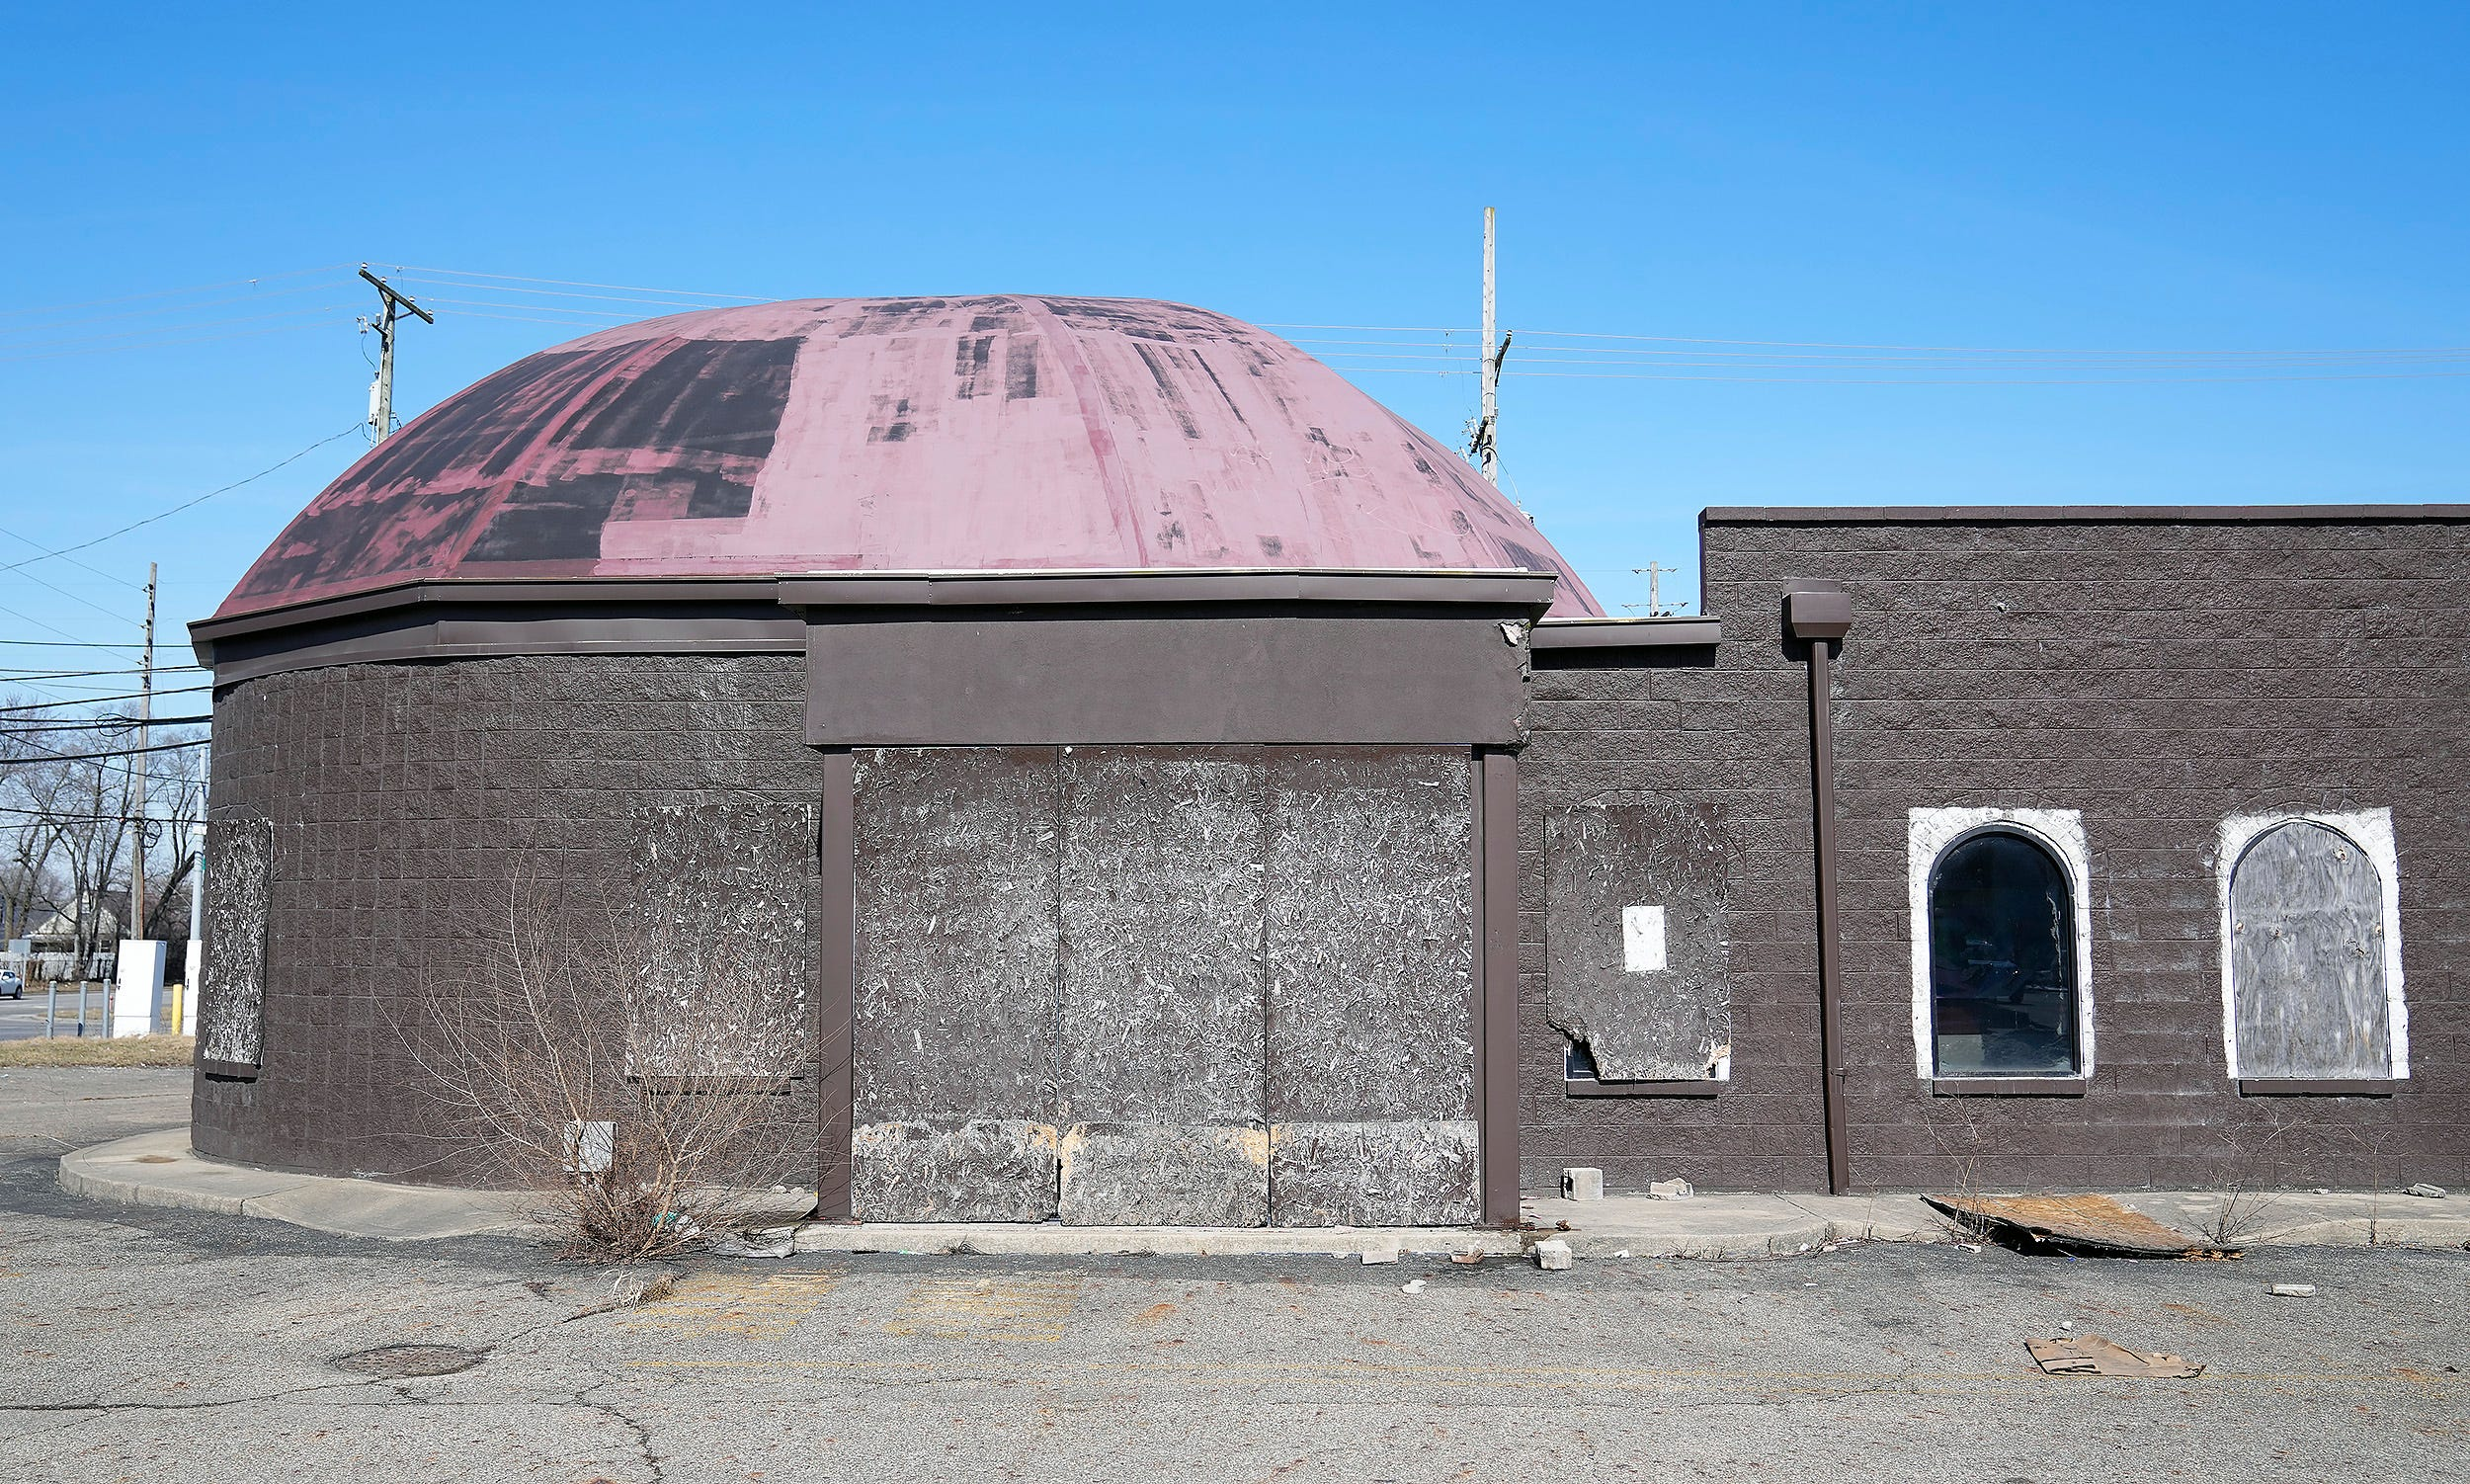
(633, 1079)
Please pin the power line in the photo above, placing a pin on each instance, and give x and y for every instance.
(175, 510)
(9, 727)
(70, 643)
(94, 757)
(511, 278)
(7, 711)
(131, 298)
(74, 562)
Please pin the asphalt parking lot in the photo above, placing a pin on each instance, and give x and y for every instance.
(153, 1344)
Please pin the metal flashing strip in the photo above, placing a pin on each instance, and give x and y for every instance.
(2034, 514)
(1514, 588)
(2303, 1086)
(1592, 1086)
(1627, 634)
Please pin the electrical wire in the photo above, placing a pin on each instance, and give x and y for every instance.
(94, 757)
(175, 510)
(8, 726)
(134, 587)
(7, 711)
(131, 298)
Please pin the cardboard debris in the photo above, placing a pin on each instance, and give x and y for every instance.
(2091, 1354)
(2094, 1224)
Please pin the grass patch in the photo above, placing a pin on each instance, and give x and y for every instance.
(97, 1051)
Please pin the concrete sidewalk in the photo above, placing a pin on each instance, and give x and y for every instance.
(160, 1168)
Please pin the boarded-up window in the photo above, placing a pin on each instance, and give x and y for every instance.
(723, 897)
(231, 1003)
(1636, 899)
(2001, 961)
(2307, 957)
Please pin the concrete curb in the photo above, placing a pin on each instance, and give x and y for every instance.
(160, 1168)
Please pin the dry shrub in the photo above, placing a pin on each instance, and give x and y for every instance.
(626, 1065)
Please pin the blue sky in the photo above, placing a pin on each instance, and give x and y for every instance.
(2218, 178)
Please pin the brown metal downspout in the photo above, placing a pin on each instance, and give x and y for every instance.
(837, 1004)
(1819, 617)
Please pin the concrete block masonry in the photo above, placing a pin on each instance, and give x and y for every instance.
(1582, 1183)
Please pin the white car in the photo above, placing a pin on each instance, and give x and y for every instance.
(11, 986)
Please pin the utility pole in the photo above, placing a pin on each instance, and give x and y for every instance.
(135, 927)
(382, 390)
(1653, 573)
(1485, 443)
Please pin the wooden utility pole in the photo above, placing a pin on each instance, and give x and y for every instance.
(1653, 573)
(135, 927)
(1485, 443)
(382, 390)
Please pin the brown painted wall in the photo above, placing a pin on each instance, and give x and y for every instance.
(404, 797)
(2156, 675)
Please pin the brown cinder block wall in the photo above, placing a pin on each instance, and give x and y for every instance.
(406, 799)
(2156, 671)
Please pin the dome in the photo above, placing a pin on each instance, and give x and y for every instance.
(901, 434)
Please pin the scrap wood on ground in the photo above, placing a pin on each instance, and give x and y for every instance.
(2091, 1355)
(2095, 1225)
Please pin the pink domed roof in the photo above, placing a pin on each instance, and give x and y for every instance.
(901, 434)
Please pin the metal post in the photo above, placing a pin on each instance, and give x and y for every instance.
(81, 1007)
(50, 1008)
(138, 763)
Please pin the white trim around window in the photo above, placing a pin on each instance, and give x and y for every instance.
(2059, 831)
(2371, 830)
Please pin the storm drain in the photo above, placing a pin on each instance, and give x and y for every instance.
(410, 1360)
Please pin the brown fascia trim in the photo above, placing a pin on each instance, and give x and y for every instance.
(459, 619)
(2321, 1087)
(2009, 1087)
(1627, 634)
(2059, 514)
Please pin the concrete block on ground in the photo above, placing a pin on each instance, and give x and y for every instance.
(1670, 1190)
(1553, 1255)
(1582, 1183)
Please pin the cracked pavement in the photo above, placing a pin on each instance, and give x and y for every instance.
(151, 1344)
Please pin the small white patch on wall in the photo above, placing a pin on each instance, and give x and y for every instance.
(2059, 831)
(2372, 831)
(1643, 939)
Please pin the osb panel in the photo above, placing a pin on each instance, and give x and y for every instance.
(2307, 958)
(1381, 1172)
(1371, 942)
(240, 868)
(1165, 1174)
(953, 1170)
(723, 893)
(956, 960)
(1624, 850)
(1161, 985)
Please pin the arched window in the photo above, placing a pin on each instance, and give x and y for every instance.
(2003, 980)
(2307, 958)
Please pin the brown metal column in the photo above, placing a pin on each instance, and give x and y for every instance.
(1496, 979)
(837, 1000)
(1819, 619)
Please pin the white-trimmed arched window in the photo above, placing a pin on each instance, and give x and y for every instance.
(2001, 943)
(2311, 948)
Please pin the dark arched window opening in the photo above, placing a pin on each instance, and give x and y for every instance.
(2001, 961)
